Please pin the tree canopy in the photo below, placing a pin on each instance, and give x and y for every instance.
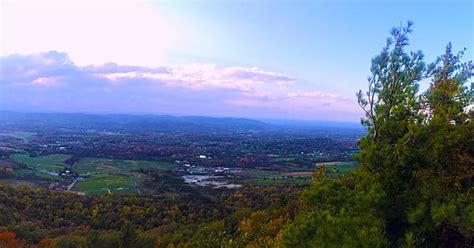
(414, 183)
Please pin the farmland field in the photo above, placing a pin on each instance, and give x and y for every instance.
(93, 165)
(53, 162)
(45, 176)
(281, 180)
(297, 176)
(103, 183)
(264, 177)
(28, 173)
(334, 169)
(112, 176)
(133, 165)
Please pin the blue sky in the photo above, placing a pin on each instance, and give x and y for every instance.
(258, 59)
(323, 42)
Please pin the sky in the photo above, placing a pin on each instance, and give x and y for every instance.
(254, 59)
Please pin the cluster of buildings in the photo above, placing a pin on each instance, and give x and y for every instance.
(216, 171)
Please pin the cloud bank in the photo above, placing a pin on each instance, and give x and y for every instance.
(50, 81)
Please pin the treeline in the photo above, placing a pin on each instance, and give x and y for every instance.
(42, 218)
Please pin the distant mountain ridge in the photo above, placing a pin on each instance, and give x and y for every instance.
(127, 122)
(130, 123)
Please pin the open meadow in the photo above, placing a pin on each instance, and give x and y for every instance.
(53, 162)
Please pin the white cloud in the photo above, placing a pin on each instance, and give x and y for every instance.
(311, 94)
(46, 81)
(205, 76)
(51, 81)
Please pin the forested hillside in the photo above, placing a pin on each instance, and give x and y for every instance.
(412, 188)
(192, 218)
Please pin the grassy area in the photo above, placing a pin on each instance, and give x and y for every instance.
(335, 169)
(283, 159)
(298, 180)
(133, 165)
(20, 173)
(94, 165)
(302, 181)
(112, 174)
(53, 162)
(43, 175)
(299, 173)
(101, 184)
(262, 173)
(263, 177)
(114, 166)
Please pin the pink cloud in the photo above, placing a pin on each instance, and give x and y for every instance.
(205, 76)
(46, 81)
(51, 81)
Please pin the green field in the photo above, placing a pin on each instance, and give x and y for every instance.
(113, 166)
(297, 176)
(94, 165)
(102, 183)
(43, 175)
(53, 162)
(20, 173)
(133, 165)
(264, 177)
(262, 173)
(112, 174)
(334, 169)
(283, 159)
(298, 180)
